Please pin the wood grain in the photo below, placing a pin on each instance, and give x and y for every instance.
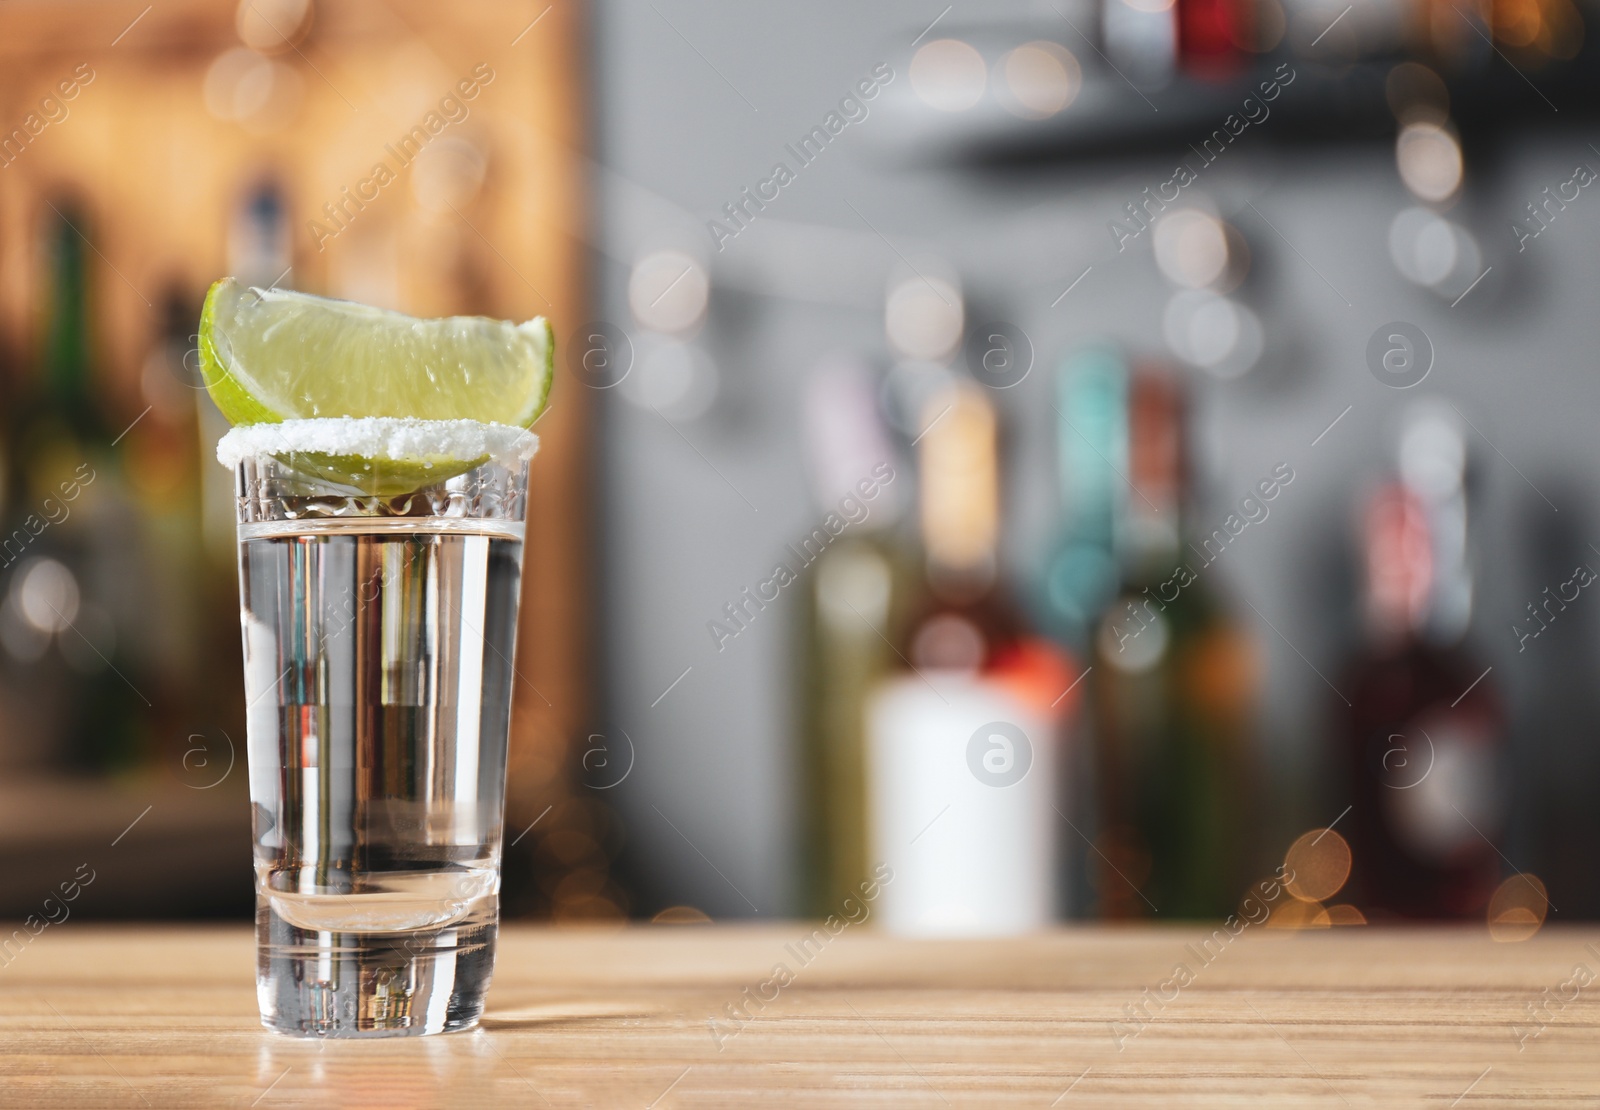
(93, 1017)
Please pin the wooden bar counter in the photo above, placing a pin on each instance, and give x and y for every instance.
(690, 1016)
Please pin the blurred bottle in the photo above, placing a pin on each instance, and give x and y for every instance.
(854, 600)
(181, 636)
(1141, 39)
(1081, 575)
(258, 236)
(1081, 572)
(966, 623)
(70, 549)
(1209, 34)
(1426, 735)
(963, 743)
(1151, 40)
(1173, 691)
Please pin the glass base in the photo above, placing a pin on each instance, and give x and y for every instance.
(315, 983)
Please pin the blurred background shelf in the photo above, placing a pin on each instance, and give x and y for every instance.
(1285, 99)
(697, 734)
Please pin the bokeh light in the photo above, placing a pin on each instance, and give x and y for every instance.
(1434, 252)
(924, 317)
(668, 291)
(272, 26)
(1041, 79)
(678, 380)
(1422, 246)
(1518, 908)
(259, 93)
(1295, 914)
(47, 595)
(1429, 158)
(1191, 247)
(447, 174)
(1319, 863)
(949, 75)
(681, 915)
(1212, 332)
(1416, 94)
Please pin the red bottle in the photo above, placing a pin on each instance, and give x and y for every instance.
(1210, 34)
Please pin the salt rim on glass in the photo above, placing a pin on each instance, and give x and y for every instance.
(385, 438)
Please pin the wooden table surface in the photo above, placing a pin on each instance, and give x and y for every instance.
(96, 1016)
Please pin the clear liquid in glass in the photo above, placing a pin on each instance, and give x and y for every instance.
(378, 688)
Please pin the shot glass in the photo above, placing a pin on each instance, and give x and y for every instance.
(379, 631)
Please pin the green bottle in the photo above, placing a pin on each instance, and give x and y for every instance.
(70, 545)
(1173, 691)
(854, 595)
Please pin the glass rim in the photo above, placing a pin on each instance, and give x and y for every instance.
(308, 487)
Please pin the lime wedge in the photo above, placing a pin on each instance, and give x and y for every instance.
(269, 355)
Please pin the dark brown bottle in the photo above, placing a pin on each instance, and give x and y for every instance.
(1425, 740)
